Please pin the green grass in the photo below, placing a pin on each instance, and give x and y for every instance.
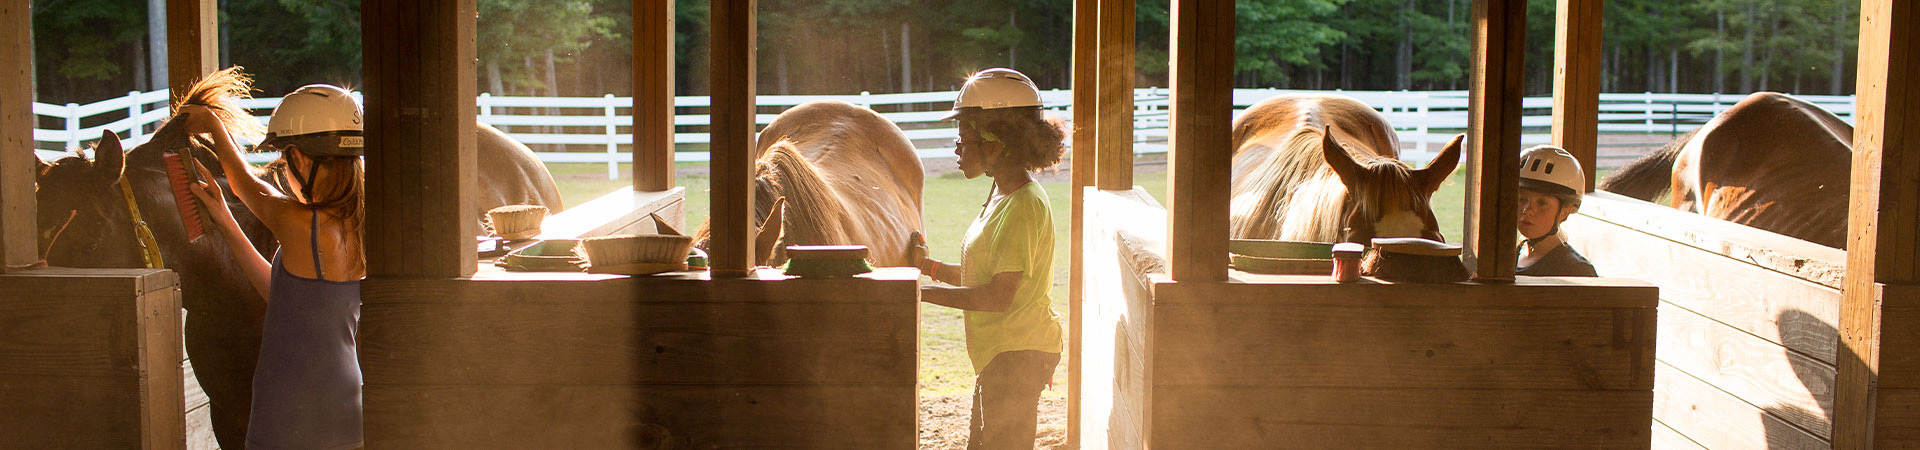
(950, 202)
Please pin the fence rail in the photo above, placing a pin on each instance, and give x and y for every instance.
(597, 129)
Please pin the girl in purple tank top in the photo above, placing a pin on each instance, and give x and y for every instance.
(306, 389)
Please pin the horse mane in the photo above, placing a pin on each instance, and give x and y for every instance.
(221, 91)
(814, 215)
(1650, 176)
(1286, 191)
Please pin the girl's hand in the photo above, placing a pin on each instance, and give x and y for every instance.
(209, 193)
(201, 119)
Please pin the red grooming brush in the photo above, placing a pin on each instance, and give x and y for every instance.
(180, 177)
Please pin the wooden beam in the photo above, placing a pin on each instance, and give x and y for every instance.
(193, 41)
(653, 32)
(1576, 81)
(19, 245)
(1086, 73)
(1883, 217)
(419, 63)
(1201, 138)
(1493, 137)
(732, 78)
(1113, 128)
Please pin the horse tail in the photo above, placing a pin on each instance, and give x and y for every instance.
(1650, 176)
(221, 91)
(815, 215)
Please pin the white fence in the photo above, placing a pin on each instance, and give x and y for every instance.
(597, 129)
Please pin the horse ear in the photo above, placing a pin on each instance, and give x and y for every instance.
(1338, 157)
(108, 159)
(769, 232)
(41, 166)
(1442, 166)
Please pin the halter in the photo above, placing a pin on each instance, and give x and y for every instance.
(149, 247)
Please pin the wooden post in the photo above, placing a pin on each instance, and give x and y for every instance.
(1113, 130)
(1086, 73)
(652, 95)
(419, 63)
(19, 244)
(732, 78)
(1576, 81)
(1201, 138)
(1493, 138)
(1876, 398)
(193, 41)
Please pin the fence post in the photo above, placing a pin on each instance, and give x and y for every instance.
(613, 146)
(485, 104)
(1648, 96)
(865, 102)
(73, 126)
(133, 117)
(1420, 141)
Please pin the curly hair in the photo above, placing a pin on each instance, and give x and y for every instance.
(1032, 140)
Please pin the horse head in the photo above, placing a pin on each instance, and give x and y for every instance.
(793, 204)
(1385, 198)
(82, 219)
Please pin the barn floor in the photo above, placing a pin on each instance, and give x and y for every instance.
(943, 422)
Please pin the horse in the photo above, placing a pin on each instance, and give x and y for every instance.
(84, 221)
(1771, 162)
(1325, 168)
(831, 172)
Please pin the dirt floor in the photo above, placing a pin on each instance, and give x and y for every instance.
(943, 422)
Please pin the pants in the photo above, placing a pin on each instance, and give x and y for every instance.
(1006, 399)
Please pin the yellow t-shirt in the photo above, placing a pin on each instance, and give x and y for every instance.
(1013, 234)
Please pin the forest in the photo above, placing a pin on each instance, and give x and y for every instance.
(86, 50)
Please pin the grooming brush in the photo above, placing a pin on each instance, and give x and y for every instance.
(827, 260)
(1415, 260)
(636, 254)
(180, 177)
(517, 222)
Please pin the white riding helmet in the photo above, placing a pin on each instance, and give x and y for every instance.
(319, 120)
(1551, 170)
(994, 89)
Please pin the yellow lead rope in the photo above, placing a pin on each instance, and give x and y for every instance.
(149, 247)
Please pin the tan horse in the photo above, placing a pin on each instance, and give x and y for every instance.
(845, 174)
(1772, 162)
(1325, 168)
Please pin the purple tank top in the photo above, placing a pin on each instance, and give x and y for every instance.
(306, 389)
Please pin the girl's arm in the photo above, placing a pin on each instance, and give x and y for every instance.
(995, 296)
(266, 202)
(257, 269)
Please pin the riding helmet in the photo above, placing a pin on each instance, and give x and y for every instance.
(1551, 170)
(994, 89)
(319, 120)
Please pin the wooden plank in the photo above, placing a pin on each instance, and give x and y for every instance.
(1664, 438)
(880, 288)
(1086, 16)
(1897, 419)
(731, 81)
(159, 343)
(1773, 251)
(193, 41)
(1884, 208)
(19, 240)
(1281, 344)
(56, 335)
(1113, 127)
(199, 415)
(1795, 388)
(1119, 313)
(1717, 420)
(420, 163)
(70, 412)
(94, 371)
(1320, 290)
(653, 33)
(72, 282)
(1576, 81)
(1899, 336)
(620, 211)
(1493, 137)
(1779, 308)
(545, 416)
(1208, 417)
(1201, 138)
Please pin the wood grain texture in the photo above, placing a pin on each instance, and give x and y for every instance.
(523, 416)
(1899, 336)
(1883, 220)
(19, 241)
(731, 80)
(1318, 290)
(1493, 137)
(193, 41)
(1717, 420)
(1081, 166)
(1576, 81)
(1118, 307)
(1201, 138)
(92, 371)
(1780, 308)
(420, 162)
(1780, 253)
(160, 343)
(1791, 386)
(1209, 417)
(623, 211)
(1113, 128)
(199, 416)
(653, 95)
(1897, 419)
(1664, 438)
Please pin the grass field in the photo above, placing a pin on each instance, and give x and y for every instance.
(950, 203)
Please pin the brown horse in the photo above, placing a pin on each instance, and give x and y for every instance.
(84, 222)
(1772, 162)
(846, 176)
(1325, 168)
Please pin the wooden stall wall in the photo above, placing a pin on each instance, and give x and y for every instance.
(90, 359)
(585, 361)
(1747, 327)
(1303, 362)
